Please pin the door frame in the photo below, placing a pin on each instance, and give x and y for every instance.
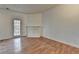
(13, 27)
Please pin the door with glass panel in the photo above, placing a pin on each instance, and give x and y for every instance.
(16, 27)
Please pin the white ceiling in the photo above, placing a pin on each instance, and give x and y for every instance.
(27, 8)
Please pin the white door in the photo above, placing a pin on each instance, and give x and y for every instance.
(16, 27)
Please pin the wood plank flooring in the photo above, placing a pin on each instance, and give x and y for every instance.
(24, 45)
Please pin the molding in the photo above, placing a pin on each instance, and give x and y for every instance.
(10, 10)
(7, 39)
(34, 37)
(62, 42)
(12, 38)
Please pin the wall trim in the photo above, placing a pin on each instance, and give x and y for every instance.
(11, 38)
(62, 42)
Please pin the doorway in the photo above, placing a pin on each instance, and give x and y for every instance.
(16, 27)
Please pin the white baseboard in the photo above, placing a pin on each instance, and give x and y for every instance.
(71, 44)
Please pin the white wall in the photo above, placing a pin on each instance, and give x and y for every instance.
(62, 24)
(32, 21)
(6, 18)
(5, 26)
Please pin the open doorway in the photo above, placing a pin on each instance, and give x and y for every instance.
(16, 27)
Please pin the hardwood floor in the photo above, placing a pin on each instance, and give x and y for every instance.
(24, 45)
